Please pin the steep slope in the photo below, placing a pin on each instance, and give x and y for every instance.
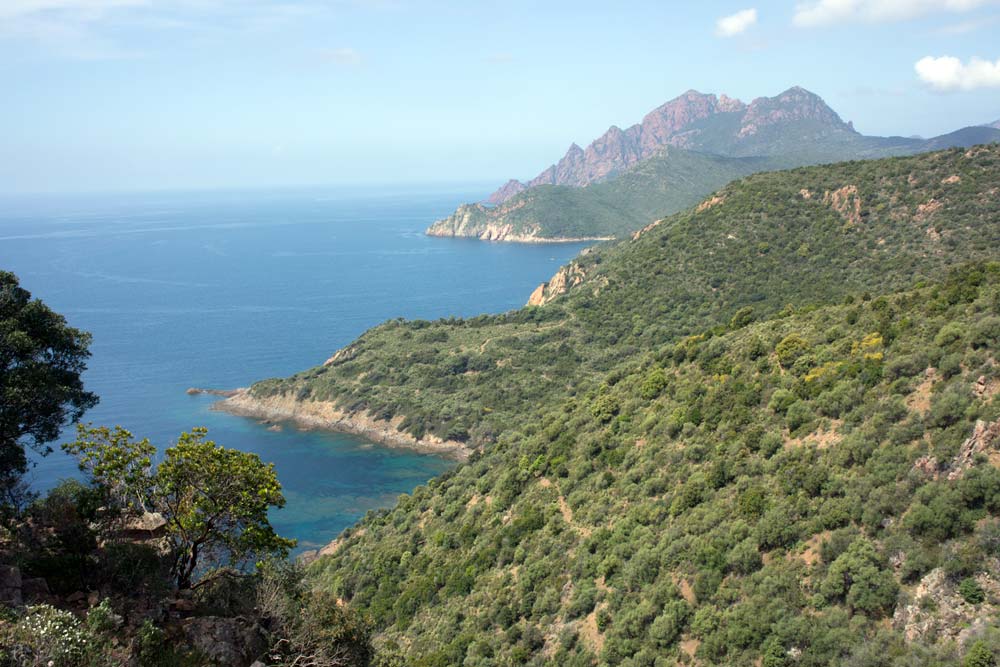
(671, 181)
(818, 488)
(796, 237)
(792, 129)
(731, 438)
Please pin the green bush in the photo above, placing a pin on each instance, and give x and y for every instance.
(971, 591)
(979, 655)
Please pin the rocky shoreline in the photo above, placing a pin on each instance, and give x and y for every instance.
(476, 221)
(509, 237)
(322, 415)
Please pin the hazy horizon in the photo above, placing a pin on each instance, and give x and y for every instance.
(137, 95)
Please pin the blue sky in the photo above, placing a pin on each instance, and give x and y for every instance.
(161, 94)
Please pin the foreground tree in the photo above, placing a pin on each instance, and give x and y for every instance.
(119, 466)
(214, 500)
(41, 360)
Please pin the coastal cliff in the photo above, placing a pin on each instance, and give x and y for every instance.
(323, 415)
(493, 224)
(564, 280)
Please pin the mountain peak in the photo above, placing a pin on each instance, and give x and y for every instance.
(795, 104)
(683, 122)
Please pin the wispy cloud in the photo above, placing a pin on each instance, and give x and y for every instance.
(500, 58)
(948, 73)
(735, 24)
(92, 29)
(829, 12)
(86, 9)
(965, 27)
(345, 56)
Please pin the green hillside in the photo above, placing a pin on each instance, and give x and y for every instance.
(659, 186)
(676, 179)
(762, 244)
(764, 432)
(776, 491)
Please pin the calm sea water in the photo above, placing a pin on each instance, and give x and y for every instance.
(219, 290)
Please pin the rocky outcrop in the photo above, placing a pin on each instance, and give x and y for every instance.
(195, 391)
(936, 612)
(565, 279)
(795, 104)
(506, 191)
(10, 586)
(846, 202)
(984, 441)
(227, 642)
(491, 224)
(324, 415)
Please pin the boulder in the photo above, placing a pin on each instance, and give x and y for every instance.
(147, 526)
(10, 586)
(226, 642)
(35, 589)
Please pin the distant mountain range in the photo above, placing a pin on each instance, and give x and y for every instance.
(679, 153)
(994, 124)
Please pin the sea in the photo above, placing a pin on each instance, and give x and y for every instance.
(220, 289)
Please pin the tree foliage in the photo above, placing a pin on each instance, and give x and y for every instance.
(41, 362)
(215, 500)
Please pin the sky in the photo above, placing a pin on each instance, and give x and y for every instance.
(115, 95)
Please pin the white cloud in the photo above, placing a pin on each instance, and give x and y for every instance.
(827, 12)
(734, 24)
(948, 73)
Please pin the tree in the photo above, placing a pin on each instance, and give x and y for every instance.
(858, 576)
(117, 464)
(214, 500)
(41, 360)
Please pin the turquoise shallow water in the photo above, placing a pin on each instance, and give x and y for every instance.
(220, 289)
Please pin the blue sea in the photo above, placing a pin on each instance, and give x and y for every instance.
(224, 288)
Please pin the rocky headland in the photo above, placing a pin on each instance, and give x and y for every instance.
(323, 415)
(490, 224)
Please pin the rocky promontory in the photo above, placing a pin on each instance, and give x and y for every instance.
(324, 415)
(494, 224)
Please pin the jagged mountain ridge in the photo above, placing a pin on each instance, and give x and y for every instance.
(676, 123)
(627, 178)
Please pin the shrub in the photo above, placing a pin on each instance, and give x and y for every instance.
(129, 568)
(986, 332)
(791, 348)
(971, 591)
(655, 382)
(45, 635)
(979, 655)
(799, 414)
(858, 577)
(948, 407)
